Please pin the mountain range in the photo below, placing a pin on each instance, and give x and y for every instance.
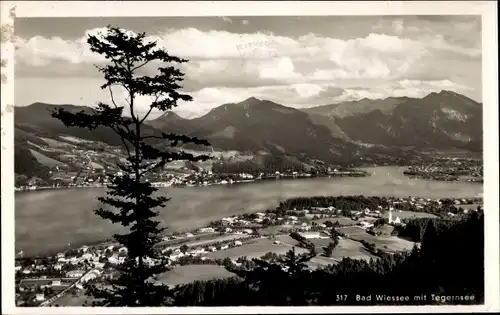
(331, 133)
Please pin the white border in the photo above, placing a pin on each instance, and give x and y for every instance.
(248, 8)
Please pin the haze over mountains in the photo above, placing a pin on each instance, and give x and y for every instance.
(344, 131)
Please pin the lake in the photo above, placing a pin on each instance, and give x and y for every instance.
(47, 220)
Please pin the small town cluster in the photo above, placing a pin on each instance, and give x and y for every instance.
(449, 169)
(44, 280)
(83, 163)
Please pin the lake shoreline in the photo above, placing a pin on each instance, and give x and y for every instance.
(48, 220)
(21, 190)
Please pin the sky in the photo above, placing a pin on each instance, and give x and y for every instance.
(295, 61)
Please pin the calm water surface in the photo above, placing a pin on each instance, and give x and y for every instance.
(47, 220)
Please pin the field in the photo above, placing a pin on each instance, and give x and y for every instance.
(352, 230)
(204, 239)
(255, 249)
(45, 160)
(345, 248)
(176, 165)
(96, 166)
(352, 249)
(407, 214)
(341, 220)
(74, 139)
(57, 144)
(389, 243)
(70, 300)
(190, 273)
(273, 229)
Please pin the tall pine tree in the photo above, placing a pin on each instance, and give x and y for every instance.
(130, 195)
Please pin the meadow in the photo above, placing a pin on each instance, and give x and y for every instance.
(255, 249)
(190, 273)
(341, 220)
(407, 214)
(352, 249)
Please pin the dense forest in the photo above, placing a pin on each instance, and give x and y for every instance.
(449, 262)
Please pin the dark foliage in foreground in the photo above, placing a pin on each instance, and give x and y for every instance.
(129, 195)
(450, 262)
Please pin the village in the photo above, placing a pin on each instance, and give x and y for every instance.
(47, 280)
(76, 163)
(448, 169)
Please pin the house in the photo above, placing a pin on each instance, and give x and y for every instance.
(260, 214)
(55, 282)
(309, 235)
(397, 221)
(98, 265)
(39, 297)
(75, 273)
(224, 247)
(58, 266)
(189, 234)
(276, 242)
(212, 248)
(206, 230)
(196, 251)
(87, 256)
(228, 230)
(113, 260)
(91, 275)
(238, 243)
(366, 225)
(227, 220)
(176, 256)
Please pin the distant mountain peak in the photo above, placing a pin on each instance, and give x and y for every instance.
(171, 115)
(251, 99)
(444, 93)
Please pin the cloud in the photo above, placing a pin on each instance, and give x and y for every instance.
(196, 44)
(397, 57)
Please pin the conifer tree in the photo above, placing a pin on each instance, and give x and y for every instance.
(131, 195)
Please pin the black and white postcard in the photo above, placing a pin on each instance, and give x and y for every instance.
(200, 157)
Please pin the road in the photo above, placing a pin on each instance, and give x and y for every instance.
(61, 294)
